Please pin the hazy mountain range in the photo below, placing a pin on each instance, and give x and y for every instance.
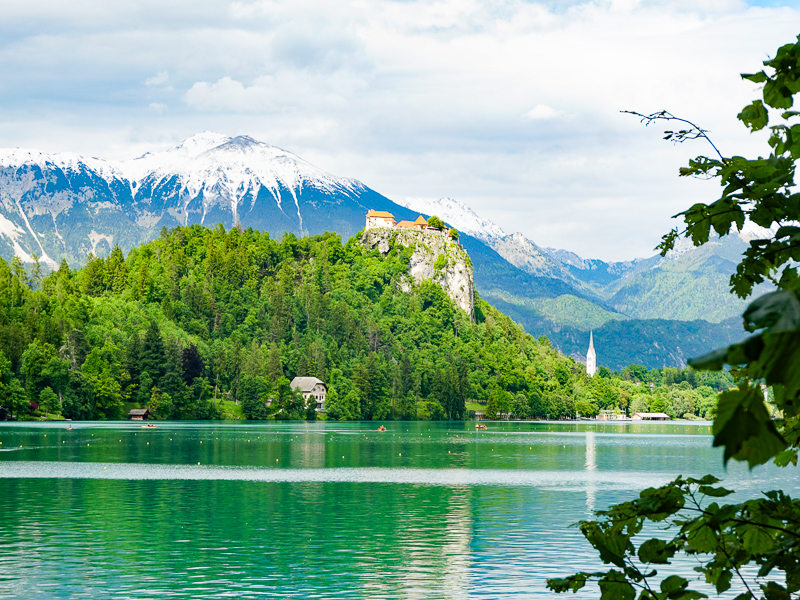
(654, 311)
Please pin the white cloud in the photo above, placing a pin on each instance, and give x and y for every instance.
(160, 79)
(229, 95)
(542, 111)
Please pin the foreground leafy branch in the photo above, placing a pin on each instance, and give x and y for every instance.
(762, 533)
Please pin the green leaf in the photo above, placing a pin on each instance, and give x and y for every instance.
(705, 480)
(614, 586)
(778, 363)
(702, 539)
(668, 242)
(659, 503)
(787, 456)
(656, 552)
(719, 492)
(778, 311)
(774, 591)
(673, 583)
(756, 540)
(744, 428)
(565, 584)
(717, 575)
(713, 361)
(754, 116)
(611, 546)
(759, 77)
(777, 95)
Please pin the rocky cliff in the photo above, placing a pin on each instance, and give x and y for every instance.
(435, 257)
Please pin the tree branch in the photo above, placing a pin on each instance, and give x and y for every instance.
(681, 136)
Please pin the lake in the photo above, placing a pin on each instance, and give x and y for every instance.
(325, 510)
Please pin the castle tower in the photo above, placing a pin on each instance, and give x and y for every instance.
(591, 358)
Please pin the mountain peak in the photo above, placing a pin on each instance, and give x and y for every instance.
(199, 143)
(244, 141)
(457, 214)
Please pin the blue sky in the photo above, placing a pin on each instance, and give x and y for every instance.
(510, 106)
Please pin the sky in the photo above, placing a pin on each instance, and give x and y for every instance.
(510, 106)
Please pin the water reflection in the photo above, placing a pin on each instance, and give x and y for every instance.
(327, 511)
(590, 465)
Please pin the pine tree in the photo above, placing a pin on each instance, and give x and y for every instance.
(153, 356)
(274, 363)
(116, 271)
(405, 379)
(192, 363)
(133, 359)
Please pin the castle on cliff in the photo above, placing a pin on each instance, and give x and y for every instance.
(381, 218)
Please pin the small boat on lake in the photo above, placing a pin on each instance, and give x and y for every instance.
(480, 426)
(381, 428)
(149, 426)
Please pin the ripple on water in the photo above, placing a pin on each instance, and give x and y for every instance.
(559, 480)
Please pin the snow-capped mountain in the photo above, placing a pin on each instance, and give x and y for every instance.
(66, 206)
(458, 215)
(211, 171)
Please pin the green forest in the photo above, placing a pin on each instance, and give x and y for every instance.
(213, 324)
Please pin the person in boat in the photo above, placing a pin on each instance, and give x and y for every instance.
(381, 428)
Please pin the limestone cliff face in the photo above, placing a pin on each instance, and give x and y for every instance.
(435, 257)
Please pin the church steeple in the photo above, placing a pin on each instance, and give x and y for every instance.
(591, 357)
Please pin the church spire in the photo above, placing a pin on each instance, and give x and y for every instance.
(591, 357)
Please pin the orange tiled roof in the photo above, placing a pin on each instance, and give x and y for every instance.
(405, 224)
(380, 213)
(421, 221)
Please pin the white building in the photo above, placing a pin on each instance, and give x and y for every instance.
(379, 218)
(591, 358)
(313, 389)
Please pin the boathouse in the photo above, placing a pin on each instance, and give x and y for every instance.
(139, 414)
(644, 416)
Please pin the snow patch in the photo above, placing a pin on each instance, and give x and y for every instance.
(12, 231)
(69, 162)
(95, 238)
(147, 219)
(751, 231)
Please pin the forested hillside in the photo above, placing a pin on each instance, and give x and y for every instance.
(201, 321)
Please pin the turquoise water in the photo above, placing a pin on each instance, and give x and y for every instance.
(323, 510)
